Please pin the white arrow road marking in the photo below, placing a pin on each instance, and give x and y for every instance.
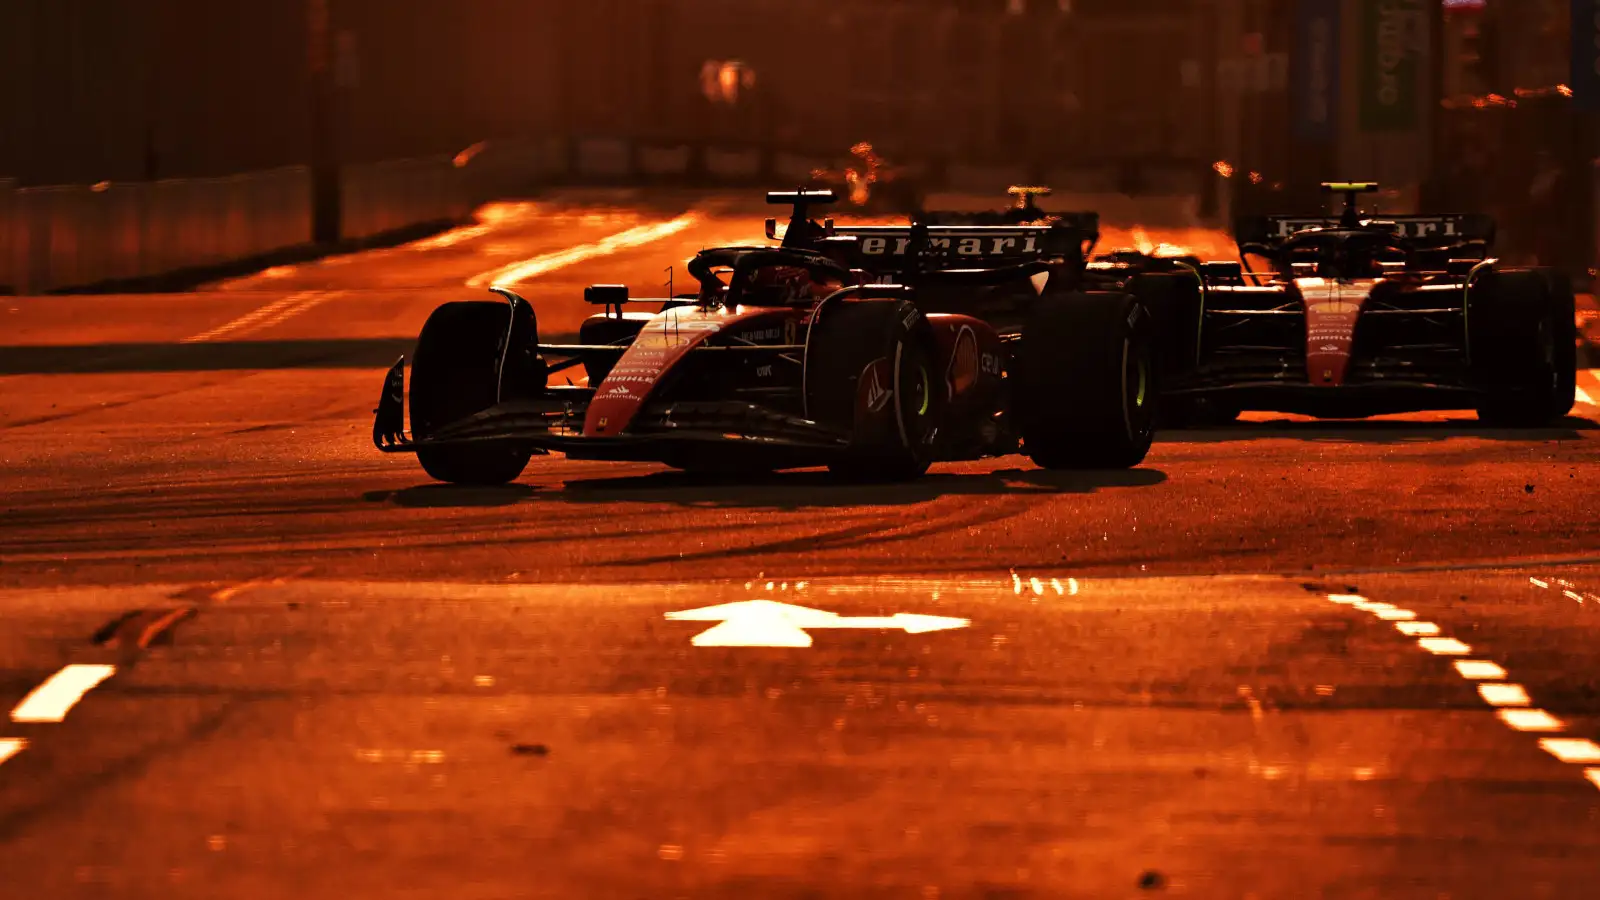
(52, 700)
(768, 623)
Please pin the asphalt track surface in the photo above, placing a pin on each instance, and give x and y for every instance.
(247, 656)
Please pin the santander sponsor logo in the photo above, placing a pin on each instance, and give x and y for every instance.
(1332, 310)
(661, 343)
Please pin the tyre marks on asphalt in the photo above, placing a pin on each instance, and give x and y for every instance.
(1513, 707)
(131, 633)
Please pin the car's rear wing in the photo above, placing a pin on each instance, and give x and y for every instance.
(949, 241)
(1421, 231)
(887, 249)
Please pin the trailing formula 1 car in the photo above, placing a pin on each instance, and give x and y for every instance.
(1360, 316)
(799, 355)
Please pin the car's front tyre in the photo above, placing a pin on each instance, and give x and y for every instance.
(1084, 382)
(455, 373)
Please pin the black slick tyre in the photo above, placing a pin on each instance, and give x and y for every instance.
(1523, 340)
(1083, 383)
(455, 373)
(871, 373)
(1173, 302)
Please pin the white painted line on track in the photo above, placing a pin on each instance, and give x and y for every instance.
(560, 259)
(52, 700)
(1478, 669)
(1395, 615)
(274, 313)
(1503, 694)
(10, 747)
(1513, 707)
(1443, 646)
(1530, 720)
(1571, 750)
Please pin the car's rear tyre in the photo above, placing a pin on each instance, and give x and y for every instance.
(1173, 301)
(870, 373)
(455, 373)
(1084, 382)
(1523, 340)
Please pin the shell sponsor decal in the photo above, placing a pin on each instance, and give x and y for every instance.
(963, 368)
(1332, 309)
(662, 342)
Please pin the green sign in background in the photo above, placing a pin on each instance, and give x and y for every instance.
(1394, 40)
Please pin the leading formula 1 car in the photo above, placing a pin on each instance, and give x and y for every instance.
(1363, 316)
(792, 356)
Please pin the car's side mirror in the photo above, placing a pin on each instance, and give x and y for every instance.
(1222, 271)
(611, 296)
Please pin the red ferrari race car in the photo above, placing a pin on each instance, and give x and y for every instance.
(792, 356)
(1362, 316)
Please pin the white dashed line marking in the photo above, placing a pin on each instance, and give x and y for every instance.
(1582, 396)
(1537, 583)
(1478, 669)
(1395, 615)
(1503, 694)
(1443, 646)
(10, 747)
(1530, 720)
(1513, 707)
(1572, 750)
(52, 700)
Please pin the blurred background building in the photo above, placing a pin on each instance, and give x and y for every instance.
(124, 89)
(1248, 103)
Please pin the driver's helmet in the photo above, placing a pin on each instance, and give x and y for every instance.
(785, 285)
(1357, 258)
